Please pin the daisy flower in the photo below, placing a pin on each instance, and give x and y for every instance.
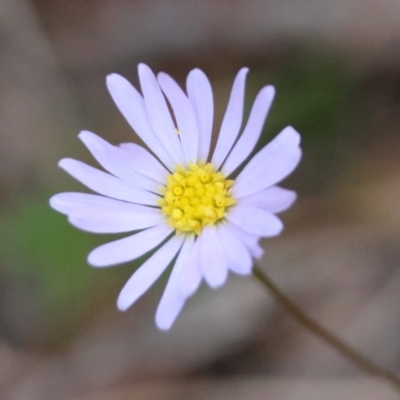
(180, 198)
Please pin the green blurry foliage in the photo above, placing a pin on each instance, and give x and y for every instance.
(38, 246)
(38, 238)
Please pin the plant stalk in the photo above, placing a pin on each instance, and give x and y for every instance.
(324, 334)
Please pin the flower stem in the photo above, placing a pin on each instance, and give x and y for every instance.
(324, 334)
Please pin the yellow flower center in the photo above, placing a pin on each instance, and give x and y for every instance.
(196, 197)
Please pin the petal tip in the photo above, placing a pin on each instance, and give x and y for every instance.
(270, 91)
(93, 261)
(112, 76)
(244, 70)
(163, 325)
(217, 282)
(53, 201)
(197, 73)
(144, 68)
(121, 305)
(279, 228)
(295, 133)
(64, 162)
(216, 285)
(162, 75)
(83, 135)
(113, 79)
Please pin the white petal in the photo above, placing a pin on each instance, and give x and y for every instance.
(172, 299)
(250, 240)
(67, 202)
(129, 248)
(270, 165)
(252, 131)
(239, 259)
(200, 95)
(89, 208)
(213, 260)
(159, 115)
(144, 163)
(125, 218)
(256, 251)
(117, 162)
(106, 184)
(255, 220)
(131, 106)
(287, 139)
(273, 199)
(191, 275)
(148, 273)
(184, 115)
(232, 120)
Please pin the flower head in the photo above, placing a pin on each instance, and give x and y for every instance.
(180, 195)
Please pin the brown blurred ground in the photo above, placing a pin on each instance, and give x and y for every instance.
(338, 257)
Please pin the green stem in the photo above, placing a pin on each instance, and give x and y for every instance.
(324, 334)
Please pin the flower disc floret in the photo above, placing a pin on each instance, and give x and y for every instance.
(196, 197)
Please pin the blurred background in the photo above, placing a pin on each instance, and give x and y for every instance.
(336, 68)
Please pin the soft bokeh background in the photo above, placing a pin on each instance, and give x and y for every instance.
(336, 67)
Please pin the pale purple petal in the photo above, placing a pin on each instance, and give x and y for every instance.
(184, 115)
(270, 165)
(191, 275)
(117, 162)
(67, 202)
(200, 95)
(252, 131)
(256, 251)
(148, 273)
(144, 163)
(255, 220)
(250, 240)
(124, 218)
(213, 260)
(106, 184)
(288, 138)
(129, 248)
(86, 210)
(132, 107)
(159, 115)
(239, 258)
(273, 199)
(172, 299)
(232, 120)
